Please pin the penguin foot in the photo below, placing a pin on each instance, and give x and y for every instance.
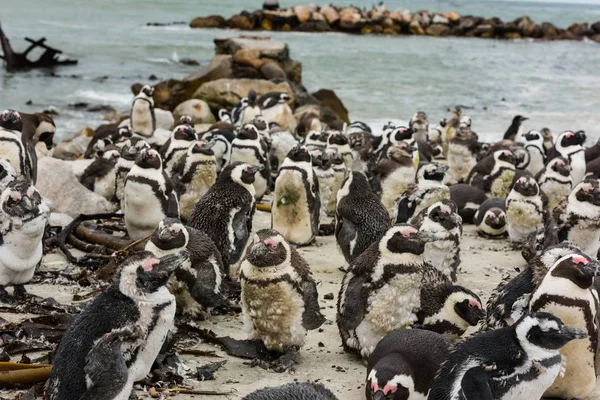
(20, 292)
(5, 297)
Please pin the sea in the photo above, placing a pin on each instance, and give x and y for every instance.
(379, 78)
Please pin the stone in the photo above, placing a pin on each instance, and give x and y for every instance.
(512, 35)
(313, 26)
(423, 17)
(57, 182)
(293, 70)
(329, 99)
(469, 23)
(596, 27)
(595, 38)
(270, 5)
(266, 25)
(250, 57)
(391, 31)
(377, 14)
(568, 35)
(526, 26)
(438, 30)
(226, 93)
(164, 119)
(415, 28)
(451, 16)
(283, 115)
(267, 48)
(212, 21)
(549, 31)
(242, 22)
(330, 14)
(439, 19)
(316, 16)
(197, 109)
(303, 13)
(272, 70)
(73, 147)
(351, 19)
(484, 30)
(580, 29)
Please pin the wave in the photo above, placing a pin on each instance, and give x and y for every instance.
(111, 98)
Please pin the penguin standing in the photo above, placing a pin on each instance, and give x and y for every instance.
(569, 145)
(361, 219)
(526, 209)
(37, 127)
(525, 357)
(138, 296)
(197, 283)
(340, 142)
(513, 131)
(247, 111)
(404, 364)
(225, 212)
(326, 177)
(100, 175)
(494, 174)
(296, 200)
(428, 190)
(222, 140)
(142, 118)
(534, 144)
(126, 161)
(279, 300)
(236, 111)
(316, 141)
(149, 195)
(249, 148)
(11, 147)
(462, 150)
(340, 173)
(420, 126)
(182, 137)
(468, 199)
(555, 180)
(490, 219)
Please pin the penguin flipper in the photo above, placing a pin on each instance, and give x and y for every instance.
(345, 233)
(355, 306)
(475, 384)
(311, 317)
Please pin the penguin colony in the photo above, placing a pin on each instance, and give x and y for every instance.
(397, 217)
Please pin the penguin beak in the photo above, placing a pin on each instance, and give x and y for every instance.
(165, 234)
(171, 262)
(260, 249)
(27, 204)
(379, 395)
(591, 269)
(571, 333)
(256, 168)
(442, 168)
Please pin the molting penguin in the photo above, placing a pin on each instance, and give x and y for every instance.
(316, 141)
(526, 209)
(222, 139)
(129, 152)
(105, 137)
(534, 144)
(548, 138)
(11, 146)
(37, 127)
(420, 126)
(249, 148)
(569, 146)
(490, 219)
(428, 190)
(225, 212)
(555, 180)
(296, 200)
(142, 118)
(182, 137)
(279, 300)
(513, 130)
(462, 151)
(468, 199)
(494, 174)
(341, 143)
(363, 158)
(149, 195)
(100, 175)
(293, 391)
(360, 218)
(326, 177)
(340, 173)
(137, 297)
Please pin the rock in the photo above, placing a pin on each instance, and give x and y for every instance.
(568, 35)
(242, 22)
(270, 5)
(264, 45)
(59, 220)
(303, 13)
(313, 26)
(272, 70)
(164, 119)
(79, 165)
(452, 17)
(197, 109)
(226, 93)
(249, 57)
(330, 14)
(423, 17)
(266, 25)
(549, 31)
(595, 38)
(351, 19)
(293, 70)
(526, 26)
(596, 27)
(317, 16)
(484, 31)
(439, 19)
(469, 23)
(512, 35)
(438, 30)
(580, 29)
(281, 115)
(57, 182)
(212, 21)
(377, 14)
(328, 98)
(415, 28)
(73, 147)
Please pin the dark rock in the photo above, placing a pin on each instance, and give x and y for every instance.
(246, 72)
(596, 27)
(240, 21)
(526, 26)
(581, 29)
(271, 70)
(271, 5)
(78, 105)
(596, 37)
(293, 70)
(313, 26)
(415, 28)
(212, 21)
(438, 30)
(549, 31)
(153, 77)
(329, 99)
(189, 61)
(568, 35)
(166, 23)
(484, 31)
(469, 23)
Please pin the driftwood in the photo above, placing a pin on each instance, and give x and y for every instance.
(14, 375)
(263, 207)
(14, 61)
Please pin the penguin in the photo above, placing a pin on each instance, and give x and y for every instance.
(36, 128)
(326, 176)
(279, 298)
(578, 217)
(182, 137)
(142, 118)
(316, 141)
(525, 355)
(494, 174)
(419, 124)
(138, 296)
(224, 116)
(7, 174)
(450, 127)
(149, 195)
(194, 175)
(274, 106)
(128, 154)
(340, 142)
(566, 292)
(249, 148)
(296, 206)
(462, 150)
(426, 191)
(100, 175)
(222, 140)
(225, 212)
(443, 226)
(569, 145)
(392, 135)
(490, 220)
(526, 209)
(360, 219)
(515, 127)
(548, 139)
(404, 364)
(197, 283)
(592, 152)
(357, 126)
(248, 111)
(363, 157)
(271, 99)
(11, 146)
(534, 144)
(293, 391)
(106, 137)
(340, 173)
(23, 219)
(309, 122)
(468, 199)
(555, 180)
(282, 142)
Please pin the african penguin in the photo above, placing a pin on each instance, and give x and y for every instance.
(142, 118)
(105, 137)
(100, 175)
(420, 126)
(490, 219)
(341, 143)
(296, 207)
(129, 152)
(271, 99)
(11, 147)
(36, 128)
(569, 145)
(282, 142)
(222, 146)
(526, 209)
(327, 179)
(279, 300)
(340, 173)
(224, 116)
(274, 106)
(534, 144)
(182, 137)
(248, 110)
(555, 180)
(138, 296)
(468, 199)
(514, 129)
(249, 148)
(494, 174)
(462, 150)
(363, 158)
(316, 141)
(293, 391)
(427, 190)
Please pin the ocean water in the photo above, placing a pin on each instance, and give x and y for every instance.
(556, 84)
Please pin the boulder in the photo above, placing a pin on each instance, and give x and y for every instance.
(469, 23)
(526, 26)
(272, 70)
(423, 17)
(280, 18)
(330, 14)
(264, 45)
(452, 17)
(596, 27)
(283, 115)
(415, 28)
(351, 19)
(595, 38)
(293, 70)
(73, 147)
(484, 30)
(549, 31)
(438, 30)
(329, 99)
(439, 19)
(270, 5)
(57, 182)
(512, 35)
(212, 21)
(318, 17)
(313, 26)
(226, 93)
(197, 109)
(240, 21)
(303, 13)
(580, 29)
(164, 119)
(568, 35)
(250, 57)
(377, 14)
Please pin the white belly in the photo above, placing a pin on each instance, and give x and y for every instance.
(141, 118)
(556, 192)
(290, 214)
(523, 219)
(533, 390)
(106, 185)
(588, 240)
(143, 210)
(578, 167)
(440, 254)
(393, 186)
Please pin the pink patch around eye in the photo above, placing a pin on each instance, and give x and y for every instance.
(175, 230)
(580, 260)
(17, 114)
(407, 232)
(16, 197)
(246, 169)
(389, 389)
(149, 264)
(304, 148)
(570, 134)
(374, 386)
(474, 304)
(271, 243)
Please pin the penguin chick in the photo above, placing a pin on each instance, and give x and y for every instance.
(494, 174)
(548, 139)
(526, 209)
(570, 146)
(404, 364)
(194, 175)
(419, 124)
(149, 195)
(293, 391)
(11, 146)
(361, 219)
(534, 144)
(126, 161)
(7, 174)
(197, 283)
(361, 145)
(279, 299)
(526, 356)
(340, 142)
(555, 180)
(100, 175)
(137, 296)
(468, 199)
(462, 150)
(182, 137)
(490, 219)
(142, 118)
(249, 148)
(23, 219)
(428, 190)
(225, 212)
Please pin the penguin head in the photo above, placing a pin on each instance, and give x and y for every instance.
(419, 122)
(143, 274)
(248, 132)
(587, 191)
(576, 267)
(170, 234)
(401, 133)
(467, 306)
(526, 186)
(518, 120)
(541, 333)
(11, 120)
(132, 147)
(505, 155)
(464, 122)
(20, 199)
(109, 153)
(400, 151)
(268, 249)
(148, 159)
(337, 138)
(533, 136)
(521, 157)
(201, 147)
(443, 213)
(45, 130)
(299, 154)
(224, 116)
(335, 158)
(284, 98)
(260, 123)
(125, 132)
(547, 135)
(561, 166)
(186, 120)
(184, 132)
(570, 138)
(432, 172)
(241, 173)
(321, 160)
(495, 218)
(384, 382)
(402, 238)
(147, 90)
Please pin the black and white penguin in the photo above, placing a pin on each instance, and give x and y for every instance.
(555, 180)
(100, 175)
(525, 357)
(36, 128)
(566, 292)
(570, 146)
(197, 283)
(224, 116)
(142, 118)
(23, 219)
(462, 156)
(129, 152)
(225, 212)
(404, 364)
(194, 175)
(357, 126)
(279, 300)
(149, 195)
(468, 199)
(274, 106)
(316, 141)
(515, 127)
(526, 209)
(340, 142)
(182, 137)
(293, 391)
(11, 146)
(249, 148)
(247, 110)
(7, 174)
(106, 137)
(271, 99)
(419, 124)
(138, 297)
(534, 144)
(222, 139)
(340, 173)
(490, 220)
(361, 219)
(548, 139)
(363, 157)
(326, 177)
(296, 207)
(494, 174)
(428, 190)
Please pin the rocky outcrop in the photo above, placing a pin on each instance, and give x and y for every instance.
(197, 109)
